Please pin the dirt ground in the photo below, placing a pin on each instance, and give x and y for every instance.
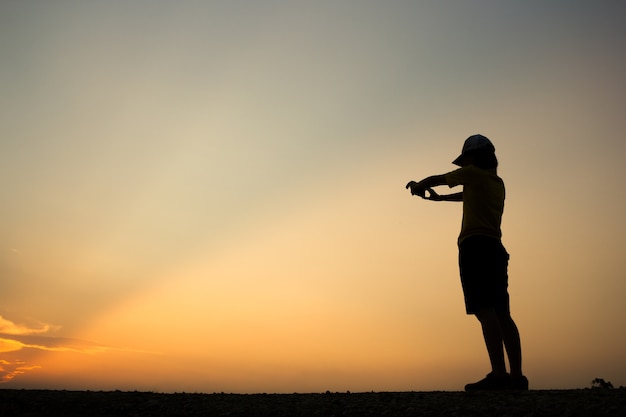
(584, 402)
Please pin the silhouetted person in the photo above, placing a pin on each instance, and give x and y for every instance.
(483, 260)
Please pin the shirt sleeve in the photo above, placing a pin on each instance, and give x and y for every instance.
(458, 176)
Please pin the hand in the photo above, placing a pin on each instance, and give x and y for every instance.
(432, 195)
(416, 189)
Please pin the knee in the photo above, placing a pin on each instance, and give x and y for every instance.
(487, 315)
(504, 316)
(506, 320)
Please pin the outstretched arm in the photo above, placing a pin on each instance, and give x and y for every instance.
(426, 185)
(419, 188)
(432, 195)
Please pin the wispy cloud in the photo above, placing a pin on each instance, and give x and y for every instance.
(16, 337)
(9, 370)
(10, 343)
(9, 327)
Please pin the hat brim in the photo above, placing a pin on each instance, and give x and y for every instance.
(459, 160)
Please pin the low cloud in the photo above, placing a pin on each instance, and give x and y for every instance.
(9, 327)
(17, 337)
(9, 370)
(11, 343)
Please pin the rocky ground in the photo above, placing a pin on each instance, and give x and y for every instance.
(584, 402)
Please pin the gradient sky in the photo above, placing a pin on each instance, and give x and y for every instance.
(208, 196)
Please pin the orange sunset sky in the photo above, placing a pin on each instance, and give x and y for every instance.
(208, 196)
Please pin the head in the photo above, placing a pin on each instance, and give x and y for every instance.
(478, 151)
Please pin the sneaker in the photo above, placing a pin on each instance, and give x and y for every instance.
(519, 383)
(490, 383)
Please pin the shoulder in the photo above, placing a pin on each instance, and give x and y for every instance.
(469, 174)
(460, 175)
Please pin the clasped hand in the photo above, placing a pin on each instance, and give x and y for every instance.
(426, 193)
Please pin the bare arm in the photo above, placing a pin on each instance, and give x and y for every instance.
(426, 185)
(432, 195)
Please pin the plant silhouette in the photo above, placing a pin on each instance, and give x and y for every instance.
(601, 384)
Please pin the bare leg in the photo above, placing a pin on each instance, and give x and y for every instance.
(492, 332)
(511, 338)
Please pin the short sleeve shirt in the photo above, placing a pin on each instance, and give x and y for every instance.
(483, 201)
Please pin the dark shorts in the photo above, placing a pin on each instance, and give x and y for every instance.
(483, 263)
